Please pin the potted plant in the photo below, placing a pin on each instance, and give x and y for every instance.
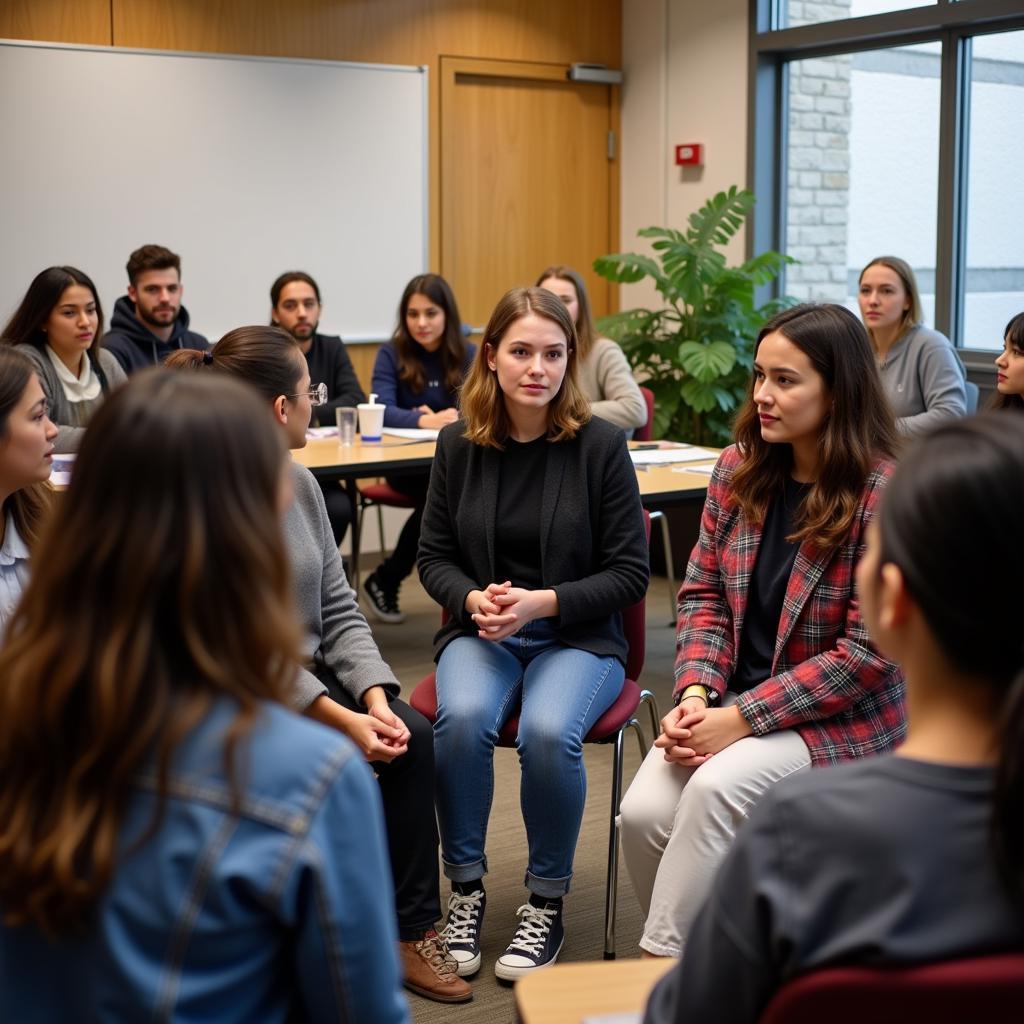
(696, 352)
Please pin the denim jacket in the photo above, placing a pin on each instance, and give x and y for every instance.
(282, 912)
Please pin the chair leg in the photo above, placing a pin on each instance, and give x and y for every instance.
(666, 543)
(612, 879)
(357, 542)
(647, 698)
(380, 530)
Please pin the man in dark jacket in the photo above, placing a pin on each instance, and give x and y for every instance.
(149, 323)
(295, 306)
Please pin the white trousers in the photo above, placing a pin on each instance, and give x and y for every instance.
(678, 824)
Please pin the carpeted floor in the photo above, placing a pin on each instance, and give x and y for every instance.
(407, 648)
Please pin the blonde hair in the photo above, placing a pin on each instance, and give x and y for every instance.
(913, 314)
(585, 332)
(482, 405)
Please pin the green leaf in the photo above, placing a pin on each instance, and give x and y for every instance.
(698, 396)
(707, 362)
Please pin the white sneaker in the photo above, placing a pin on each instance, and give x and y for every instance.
(537, 942)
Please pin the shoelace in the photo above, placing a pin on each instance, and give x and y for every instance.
(463, 913)
(533, 929)
(434, 951)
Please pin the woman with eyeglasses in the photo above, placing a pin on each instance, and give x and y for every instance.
(174, 843)
(343, 681)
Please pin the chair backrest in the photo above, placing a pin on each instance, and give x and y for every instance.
(634, 625)
(989, 989)
(645, 432)
(973, 393)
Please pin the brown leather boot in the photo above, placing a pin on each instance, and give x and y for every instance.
(428, 969)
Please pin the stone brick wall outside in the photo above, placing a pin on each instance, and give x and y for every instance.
(819, 164)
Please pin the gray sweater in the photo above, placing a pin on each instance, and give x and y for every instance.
(70, 417)
(880, 861)
(924, 381)
(336, 638)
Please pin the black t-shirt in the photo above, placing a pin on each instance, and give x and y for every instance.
(767, 590)
(517, 536)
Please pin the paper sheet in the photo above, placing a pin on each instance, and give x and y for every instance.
(666, 456)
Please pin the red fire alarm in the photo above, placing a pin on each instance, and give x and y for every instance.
(690, 154)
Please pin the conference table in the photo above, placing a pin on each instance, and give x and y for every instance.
(661, 485)
(600, 992)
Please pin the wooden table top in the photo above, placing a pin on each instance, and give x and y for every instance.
(570, 993)
(323, 456)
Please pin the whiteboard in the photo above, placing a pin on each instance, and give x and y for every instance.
(244, 166)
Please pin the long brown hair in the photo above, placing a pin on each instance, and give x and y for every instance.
(482, 404)
(585, 334)
(164, 587)
(29, 505)
(453, 347)
(913, 314)
(858, 431)
(26, 324)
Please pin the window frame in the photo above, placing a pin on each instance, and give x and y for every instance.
(952, 23)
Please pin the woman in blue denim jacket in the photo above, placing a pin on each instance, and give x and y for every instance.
(174, 843)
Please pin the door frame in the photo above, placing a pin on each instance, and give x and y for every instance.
(451, 68)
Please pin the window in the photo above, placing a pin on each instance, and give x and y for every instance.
(894, 127)
(994, 278)
(862, 161)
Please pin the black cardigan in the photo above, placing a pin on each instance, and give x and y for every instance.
(593, 544)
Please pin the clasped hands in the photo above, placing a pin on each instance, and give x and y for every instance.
(500, 609)
(692, 733)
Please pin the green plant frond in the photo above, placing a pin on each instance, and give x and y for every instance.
(629, 321)
(670, 233)
(727, 400)
(700, 397)
(720, 217)
(628, 268)
(766, 266)
(707, 362)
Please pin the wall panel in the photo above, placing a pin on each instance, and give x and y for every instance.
(57, 21)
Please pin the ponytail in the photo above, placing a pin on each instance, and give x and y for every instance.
(267, 358)
(1007, 819)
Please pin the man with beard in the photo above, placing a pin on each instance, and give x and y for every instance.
(295, 307)
(149, 323)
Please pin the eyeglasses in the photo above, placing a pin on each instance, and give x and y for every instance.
(317, 394)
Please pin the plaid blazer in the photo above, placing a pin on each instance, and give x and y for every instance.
(828, 681)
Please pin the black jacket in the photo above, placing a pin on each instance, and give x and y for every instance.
(593, 544)
(330, 363)
(135, 346)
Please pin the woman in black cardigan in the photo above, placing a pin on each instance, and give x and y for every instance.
(533, 541)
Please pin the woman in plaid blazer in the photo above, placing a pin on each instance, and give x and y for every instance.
(774, 669)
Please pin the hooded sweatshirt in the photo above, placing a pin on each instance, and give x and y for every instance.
(135, 346)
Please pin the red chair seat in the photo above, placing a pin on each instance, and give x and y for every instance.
(385, 494)
(989, 989)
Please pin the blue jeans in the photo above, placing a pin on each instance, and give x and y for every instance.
(562, 692)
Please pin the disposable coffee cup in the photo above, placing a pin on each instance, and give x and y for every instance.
(345, 417)
(371, 419)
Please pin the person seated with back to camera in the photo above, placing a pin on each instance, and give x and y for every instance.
(533, 542)
(343, 681)
(58, 326)
(174, 843)
(918, 856)
(774, 669)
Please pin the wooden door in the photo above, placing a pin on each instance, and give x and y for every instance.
(528, 179)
